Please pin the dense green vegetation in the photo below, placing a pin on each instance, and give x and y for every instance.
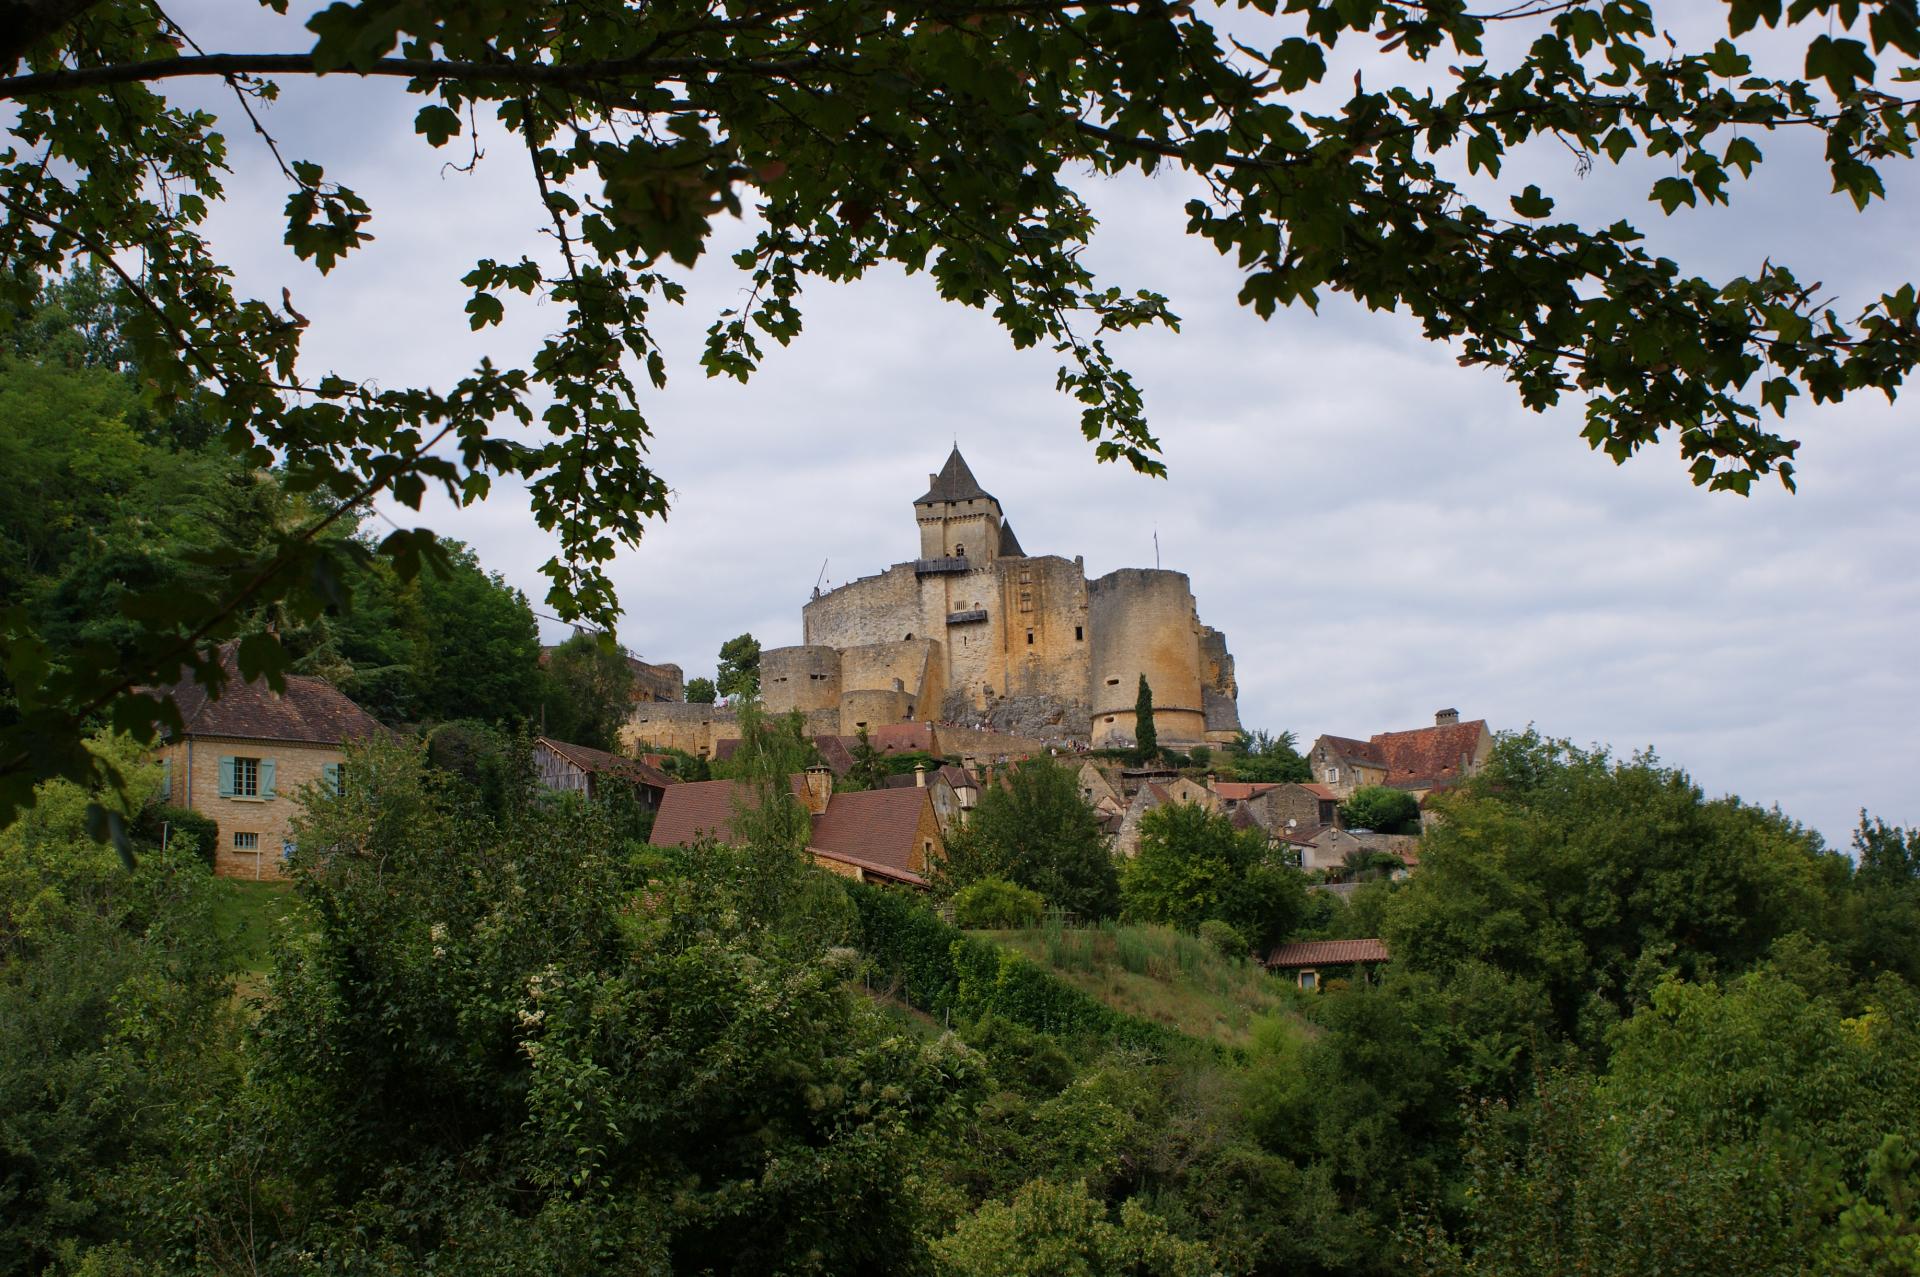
(1626, 1030)
(1031, 828)
(105, 502)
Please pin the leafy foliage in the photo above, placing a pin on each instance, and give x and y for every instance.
(589, 691)
(1383, 810)
(1261, 756)
(1194, 865)
(1032, 827)
(996, 904)
(739, 667)
(949, 145)
(701, 691)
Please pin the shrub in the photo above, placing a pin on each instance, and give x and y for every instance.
(996, 904)
(178, 823)
(1383, 810)
(1224, 937)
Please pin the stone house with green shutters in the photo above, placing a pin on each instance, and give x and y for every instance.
(242, 760)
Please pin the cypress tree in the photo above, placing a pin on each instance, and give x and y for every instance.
(1146, 738)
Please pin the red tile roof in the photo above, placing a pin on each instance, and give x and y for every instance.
(1321, 791)
(1428, 754)
(701, 807)
(1327, 953)
(880, 826)
(311, 709)
(600, 763)
(1237, 790)
(1358, 750)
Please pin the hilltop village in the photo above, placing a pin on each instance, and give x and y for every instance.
(915, 689)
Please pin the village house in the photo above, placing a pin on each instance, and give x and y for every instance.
(1418, 761)
(953, 791)
(1311, 963)
(883, 835)
(568, 768)
(1152, 794)
(242, 760)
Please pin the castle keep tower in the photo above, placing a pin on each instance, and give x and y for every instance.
(959, 519)
(976, 632)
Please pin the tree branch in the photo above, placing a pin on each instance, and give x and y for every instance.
(535, 73)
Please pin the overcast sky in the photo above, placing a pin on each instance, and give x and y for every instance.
(1379, 532)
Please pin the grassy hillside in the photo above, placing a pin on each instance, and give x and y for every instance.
(1159, 975)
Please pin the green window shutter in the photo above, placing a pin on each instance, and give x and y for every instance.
(266, 778)
(226, 777)
(166, 780)
(330, 772)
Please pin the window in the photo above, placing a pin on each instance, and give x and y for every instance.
(959, 551)
(287, 848)
(330, 777)
(1113, 682)
(926, 846)
(1029, 638)
(1109, 718)
(1026, 600)
(1333, 775)
(246, 777)
(1309, 980)
(1025, 576)
(246, 842)
(1079, 634)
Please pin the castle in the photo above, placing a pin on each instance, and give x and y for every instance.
(978, 634)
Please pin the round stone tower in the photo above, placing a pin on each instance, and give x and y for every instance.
(1142, 621)
(802, 678)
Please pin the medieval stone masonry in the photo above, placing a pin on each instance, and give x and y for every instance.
(977, 633)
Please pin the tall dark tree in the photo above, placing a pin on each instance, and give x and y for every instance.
(1145, 735)
(701, 691)
(1273, 757)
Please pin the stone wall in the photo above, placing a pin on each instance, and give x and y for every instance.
(193, 767)
(692, 728)
(870, 708)
(1142, 622)
(802, 678)
(1044, 641)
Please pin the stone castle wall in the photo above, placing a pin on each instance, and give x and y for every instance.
(802, 678)
(1143, 622)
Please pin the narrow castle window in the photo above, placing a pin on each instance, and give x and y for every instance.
(1026, 600)
(1112, 682)
(1079, 634)
(1029, 638)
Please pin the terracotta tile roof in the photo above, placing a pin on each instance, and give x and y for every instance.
(959, 777)
(701, 807)
(600, 763)
(1321, 791)
(881, 826)
(1242, 819)
(1358, 750)
(1428, 754)
(1326, 953)
(836, 752)
(1237, 790)
(871, 867)
(311, 709)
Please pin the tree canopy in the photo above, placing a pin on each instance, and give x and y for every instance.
(951, 139)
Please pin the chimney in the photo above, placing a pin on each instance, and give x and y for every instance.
(819, 789)
(919, 775)
(932, 479)
(1447, 718)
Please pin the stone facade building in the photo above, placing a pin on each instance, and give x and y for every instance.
(242, 760)
(1418, 761)
(977, 632)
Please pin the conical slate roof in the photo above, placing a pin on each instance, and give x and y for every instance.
(954, 483)
(1010, 544)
